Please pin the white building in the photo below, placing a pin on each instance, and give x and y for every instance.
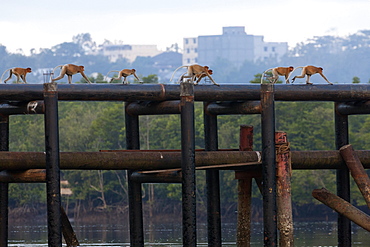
(234, 45)
(190, 53)
(130, 52)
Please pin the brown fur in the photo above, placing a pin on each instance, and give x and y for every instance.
(69, 70)
(309, 71)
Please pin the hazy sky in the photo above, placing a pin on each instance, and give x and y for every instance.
(44, 23)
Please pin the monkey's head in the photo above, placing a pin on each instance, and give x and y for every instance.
(291, 68)
(133, 70)
(28, 70)
(210, 72)
(82, 68)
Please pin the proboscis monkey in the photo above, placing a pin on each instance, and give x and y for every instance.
(69, 70)
(309, 71)
(18, 72)
(194, 71)
(201, 76)
(124, 73)
(282, 71)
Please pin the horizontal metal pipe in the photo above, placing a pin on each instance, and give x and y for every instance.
(161, 92)
(232, 107)
(351, 108)
(29, 176)
(22, 107)
(150, 160)
(153, 107)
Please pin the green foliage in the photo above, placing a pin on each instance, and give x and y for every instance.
(21, 195)
(355, 80)
(93, 126)
(26, 133)
(257, 78)
(150, 79)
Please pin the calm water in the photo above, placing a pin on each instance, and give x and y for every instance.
(323, 234)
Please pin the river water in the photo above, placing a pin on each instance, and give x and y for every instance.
(306, 234)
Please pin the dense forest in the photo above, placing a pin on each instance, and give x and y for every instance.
(93, 126)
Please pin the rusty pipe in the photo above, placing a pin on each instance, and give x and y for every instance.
(357, 171)
(138, 160)
(343, 207)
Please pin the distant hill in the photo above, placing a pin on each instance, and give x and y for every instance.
(342, 58)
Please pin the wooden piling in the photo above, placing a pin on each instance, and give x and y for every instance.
(283, 190)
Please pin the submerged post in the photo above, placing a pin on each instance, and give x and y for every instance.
(188, 164)
(283, 191)
(52, 164)
(243, 233)
(268, 164)
(134, 188)
(68, 233)
(343, 177)
(4, 187)
(213, 182)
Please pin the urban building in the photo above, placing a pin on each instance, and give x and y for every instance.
(130, 52)
(234, 45)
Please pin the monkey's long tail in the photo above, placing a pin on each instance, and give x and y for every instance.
(263, 74)
(105, 78)
(173, 74)
(299, 67)
(59, 66)
(1, 79)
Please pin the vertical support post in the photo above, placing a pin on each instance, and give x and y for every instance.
(243, 235)
(213, 182)
(343, 178)
(268, 164)
(188, 164)
(4, 187)
(134, 188)
(284, 194)
(52, 164)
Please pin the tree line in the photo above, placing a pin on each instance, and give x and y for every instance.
(94, 126)
(344, 60)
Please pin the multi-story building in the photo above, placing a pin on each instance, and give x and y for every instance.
(130, 52)
(234, 45)
(190, 52)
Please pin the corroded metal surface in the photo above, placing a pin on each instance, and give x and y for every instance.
(268, 164)
(139, 160)
(357, 171)
(52, 161)
(343, 207)
(160, 92)
(283, 190)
